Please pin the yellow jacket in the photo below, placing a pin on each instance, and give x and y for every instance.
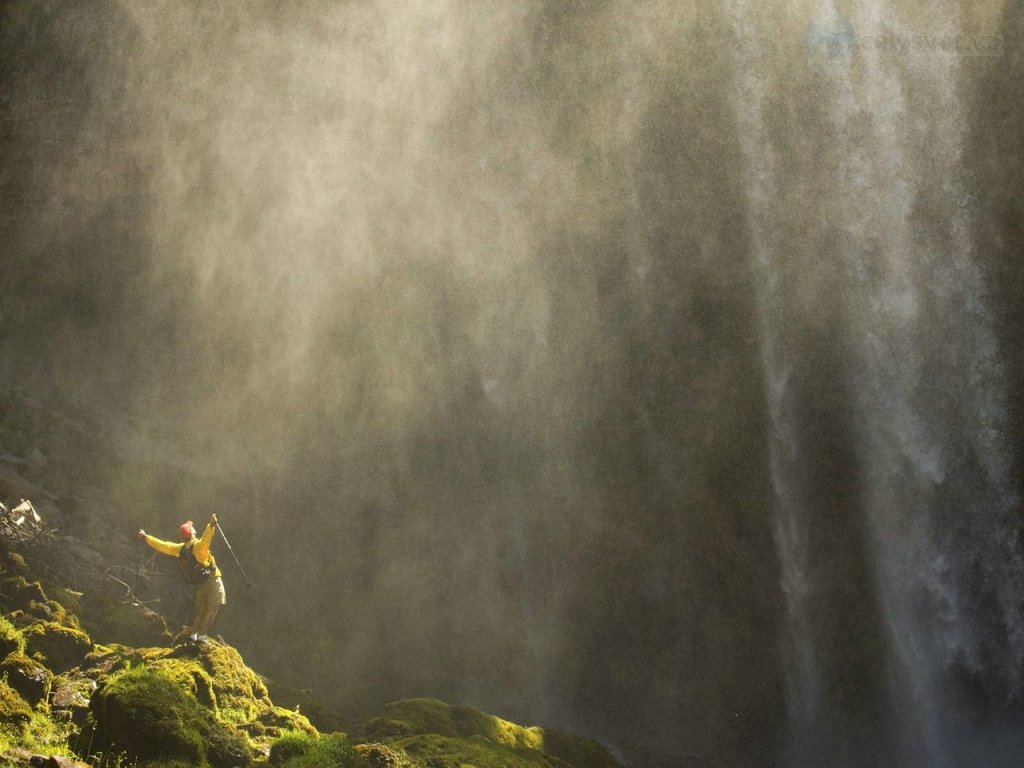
(201, 550)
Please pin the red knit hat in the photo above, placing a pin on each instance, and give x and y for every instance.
(188, 531)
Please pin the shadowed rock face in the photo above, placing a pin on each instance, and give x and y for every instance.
(641, 369)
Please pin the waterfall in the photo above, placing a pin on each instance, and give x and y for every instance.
(785, 449)
(935, 497)
(936, 491)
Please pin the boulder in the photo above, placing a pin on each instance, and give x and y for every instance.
(426, 727)
(10, 639)
(70, 696)
(150, 716)
(27, 676)
(17, 593)
(59, 647)
(14, 710)
(240, 693)
(301, 750)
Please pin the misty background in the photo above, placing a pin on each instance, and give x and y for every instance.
(647, 369)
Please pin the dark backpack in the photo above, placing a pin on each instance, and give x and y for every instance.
(195, 571)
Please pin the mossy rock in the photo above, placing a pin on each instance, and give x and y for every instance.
(150, 717)
(420, 716)
(191, 677)
(383, 756)
(27, 676)
(14, 710)
(284, 720)
(432, 751)
(20, 619)
(14, 562)
(289, 746)
(412, 725)
(10, 638)
(216, 678)
(241, 694)
(17, 593)
(59, 647)
(214, 673)
(70, 696)
(332, 750)
(407, 718)
(69, 598)
(107, 659)
(26, 601)
(51, 610)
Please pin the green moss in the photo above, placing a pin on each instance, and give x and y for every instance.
(383, 756)
(433, 751)
(17, 593)
(16, 563)
(69, 598)
(303, 751)
(290, 745)
(150, 717)
(28, 732)
(13, 708)
(241, 695)
(227, 748)
(409, 717)
(421, 725)
(286, 720)
(472, 722)
(27, 676)
(190, 677)
(419, 716)
(10, 638)
(216, 677)
(59, 647)
(160, 707)
(51, 610)
(114, 656)
(69, 698)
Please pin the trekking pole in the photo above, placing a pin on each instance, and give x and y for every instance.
(248, 581)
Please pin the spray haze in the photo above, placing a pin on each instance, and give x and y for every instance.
(642, 368)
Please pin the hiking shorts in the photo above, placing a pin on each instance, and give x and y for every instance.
(209, 595)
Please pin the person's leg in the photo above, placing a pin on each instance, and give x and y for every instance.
(212, 599)
(197, 615)
(207, 619)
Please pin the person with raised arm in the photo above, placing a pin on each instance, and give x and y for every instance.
(200, 568)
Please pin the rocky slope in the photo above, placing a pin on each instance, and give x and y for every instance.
(89, 675)
(65, 698)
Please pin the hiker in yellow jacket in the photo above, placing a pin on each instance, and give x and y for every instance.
(200, 568)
